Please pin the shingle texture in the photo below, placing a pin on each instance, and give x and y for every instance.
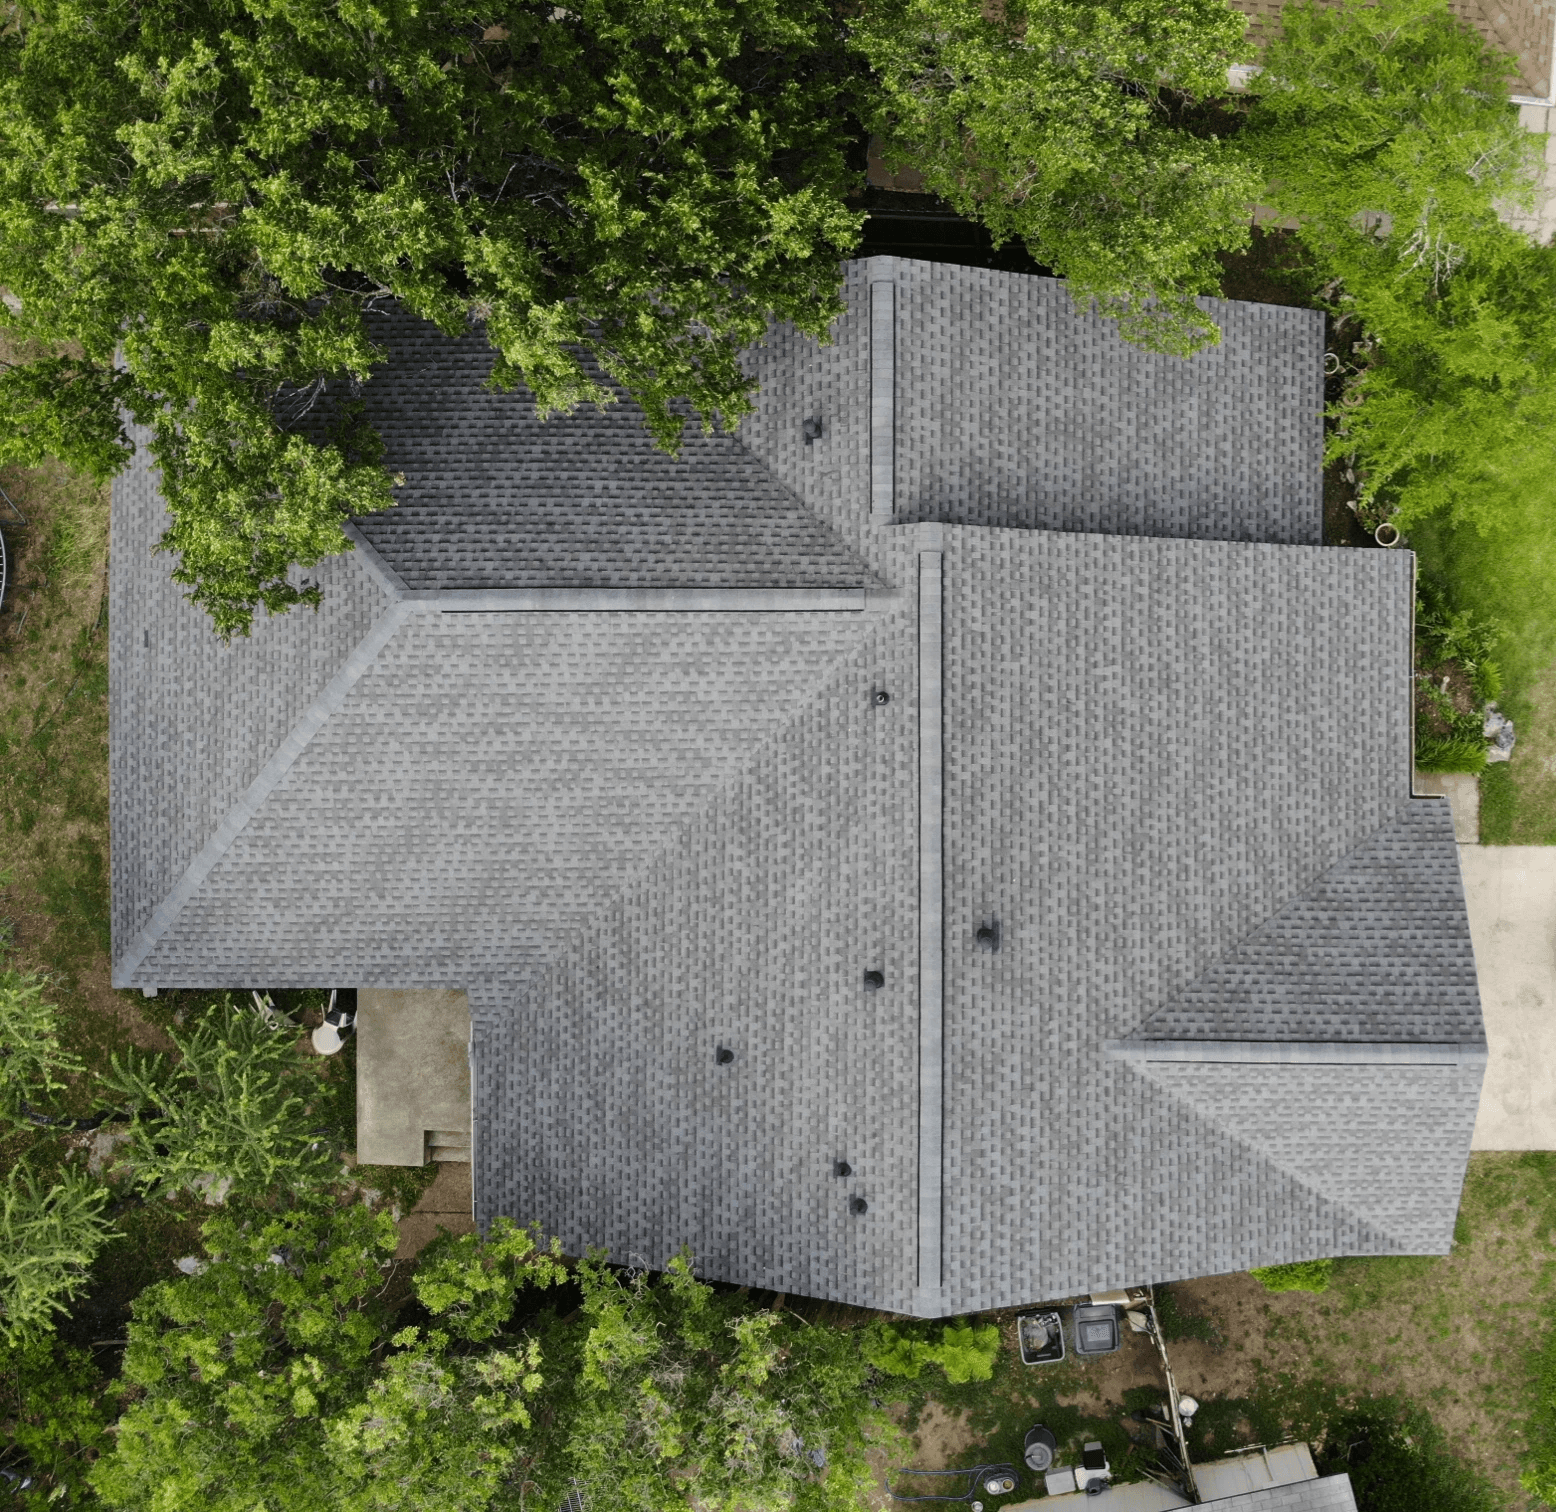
(1150, 750)
(1377, 948)
(752, 930)
(1330, 1493)
(495, 498)
(487, 789)
(1176, 770)
(191, 721)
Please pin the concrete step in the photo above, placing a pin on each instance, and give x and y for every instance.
(448, 1144)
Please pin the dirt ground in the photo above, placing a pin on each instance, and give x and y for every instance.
(1454, 1334)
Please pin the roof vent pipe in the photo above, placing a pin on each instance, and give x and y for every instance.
(874, 981)
(858, 1206)
(989, 936)
(812, 429)
(842, 1168)
(723, 1056)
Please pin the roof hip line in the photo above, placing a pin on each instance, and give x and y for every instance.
(312, 721)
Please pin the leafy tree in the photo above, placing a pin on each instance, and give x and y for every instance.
(276, 1377)
(233, 1107)
(32, 1061)
(49, 1236)
(237, 1366)
(618, 193)
(1054, 121)
(670, 1394)
(964, 1352)
(55, 1406)
(1388, 138)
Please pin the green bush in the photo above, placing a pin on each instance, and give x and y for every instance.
(32, 1063)
(235, 1107)
(964, 1352)
(1301, 1275)
(50, 1233)
(1451, 753)
(57, 1411)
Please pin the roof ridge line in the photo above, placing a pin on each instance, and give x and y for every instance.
(378, 569)
(313, 719)
(1256, 1151)
(930, 1276)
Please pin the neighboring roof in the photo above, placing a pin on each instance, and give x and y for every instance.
(640, 821)
(1520, 27)
(1330, 1493)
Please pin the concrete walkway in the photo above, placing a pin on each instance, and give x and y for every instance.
(1511, 893)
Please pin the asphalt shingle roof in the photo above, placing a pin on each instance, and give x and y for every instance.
(495, 498)
(1232, 1019)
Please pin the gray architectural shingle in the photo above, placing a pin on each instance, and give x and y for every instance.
(1232, 1020)
(1329, 1493)
(495, 498)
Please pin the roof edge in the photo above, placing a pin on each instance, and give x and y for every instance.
(635, 600)
(1300, 1052)
(298, 738)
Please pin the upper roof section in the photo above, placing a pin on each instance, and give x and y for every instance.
(952, 394)
(496, 498)
(974, 397)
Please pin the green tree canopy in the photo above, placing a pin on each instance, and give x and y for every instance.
(215, 190)
(1056, 122)
(671, 1394)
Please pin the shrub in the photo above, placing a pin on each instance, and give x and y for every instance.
(56, 1409)
(49, 1237)
(1451, 753)
(32, 1063)
(1301, 1275)
(233, 1107)
(964, 1352)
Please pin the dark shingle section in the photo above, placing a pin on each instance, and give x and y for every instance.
(1376, 949)
(1151, 748)
(495, 498)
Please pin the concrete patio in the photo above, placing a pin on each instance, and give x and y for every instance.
(413, 1077)
(1511, 892)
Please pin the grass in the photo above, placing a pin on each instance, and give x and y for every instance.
(54, 721)
(54, 883)
(1456, 1338)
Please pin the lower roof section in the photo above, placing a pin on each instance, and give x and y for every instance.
(1149, 750)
